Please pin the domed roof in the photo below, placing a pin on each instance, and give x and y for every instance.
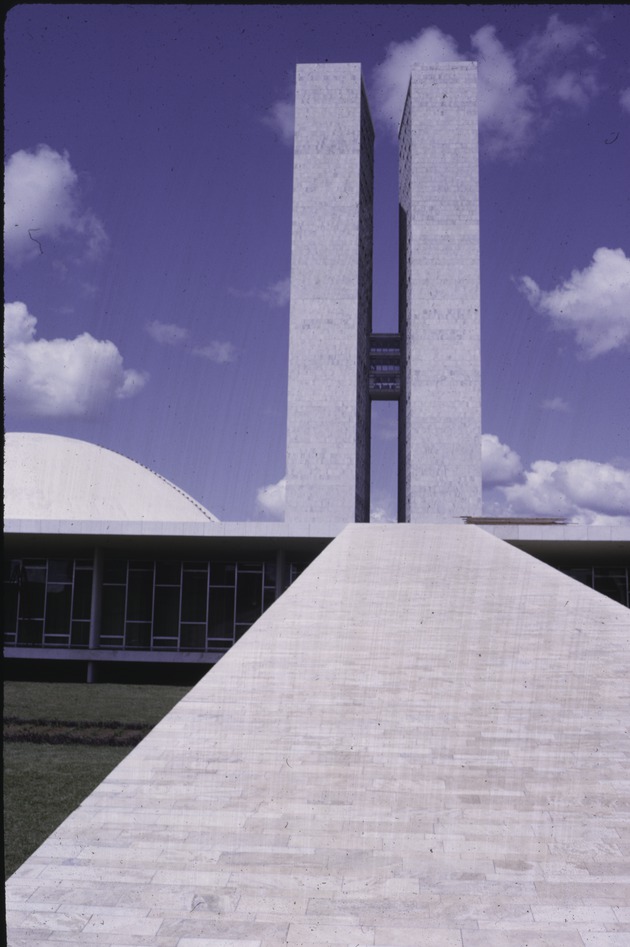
(47, 477)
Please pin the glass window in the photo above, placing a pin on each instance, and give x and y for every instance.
(111, 641)
(138, 635)
(11, 599)
(194, 596)
(30, 632)
(115, 570)
(80, 636)
(222, 573)
(582, 575)
(140, 596)
(60, 570)
(248, 596)
(221, 621)
(168, 573)
(82, 598)
(166, 613)
(193, 637)
(113, 618)
(613, 583)
(196, 567)
(164, 644)
(58, 604)
(33, 592)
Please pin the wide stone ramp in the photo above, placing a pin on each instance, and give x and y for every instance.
(423, 743)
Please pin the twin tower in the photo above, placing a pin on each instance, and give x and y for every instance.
(337, 365)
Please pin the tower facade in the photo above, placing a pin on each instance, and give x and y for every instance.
(328, 425)
(440, 406)
(337, 366)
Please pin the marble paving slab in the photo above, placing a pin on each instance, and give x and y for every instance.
(423, 743)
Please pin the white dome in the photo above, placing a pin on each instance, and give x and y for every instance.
(47, 477)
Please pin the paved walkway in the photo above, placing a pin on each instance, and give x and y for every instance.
(424, 743)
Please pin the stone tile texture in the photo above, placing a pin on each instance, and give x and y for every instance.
(423, 742)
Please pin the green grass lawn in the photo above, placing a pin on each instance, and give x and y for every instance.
(43, 784)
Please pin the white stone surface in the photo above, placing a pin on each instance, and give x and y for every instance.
(425, 741)
(439, 194)
(48, 477)
(328, 410)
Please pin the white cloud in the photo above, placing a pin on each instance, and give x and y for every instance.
(594, 303)
(515, 86)
(392, 75)
(272, 498)
(582, 491)
(555, 44)
(61, 377)
(499, 463)
(506, 103)
(167, 333)
(281, 119)
(219, 352)
(555, 404)
(383, 508)
(624, 100)
(277, 295)
(43, 204)
(574, 87)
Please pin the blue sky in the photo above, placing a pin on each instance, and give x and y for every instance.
(148, 180)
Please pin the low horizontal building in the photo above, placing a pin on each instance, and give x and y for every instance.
(113, 573)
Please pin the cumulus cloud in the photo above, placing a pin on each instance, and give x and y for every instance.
(167, 333)
(506, 103)
(594, 303)
(499, 463)
(579, 491)
(572, 87)
(219, 352)
(281, 118)
(271, 499)
(583, 491)
(624, 100)
(392, 75)
(43, 203)
(61, 377)
(555, 404)
(516, 87)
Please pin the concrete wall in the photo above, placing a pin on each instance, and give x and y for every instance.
(331, 276)
(439, 208)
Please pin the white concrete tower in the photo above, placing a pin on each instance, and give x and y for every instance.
(439, 294)
(328, 425)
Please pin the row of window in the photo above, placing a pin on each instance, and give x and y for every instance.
(167, 605)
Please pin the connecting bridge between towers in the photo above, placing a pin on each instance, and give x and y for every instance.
(385, 367)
